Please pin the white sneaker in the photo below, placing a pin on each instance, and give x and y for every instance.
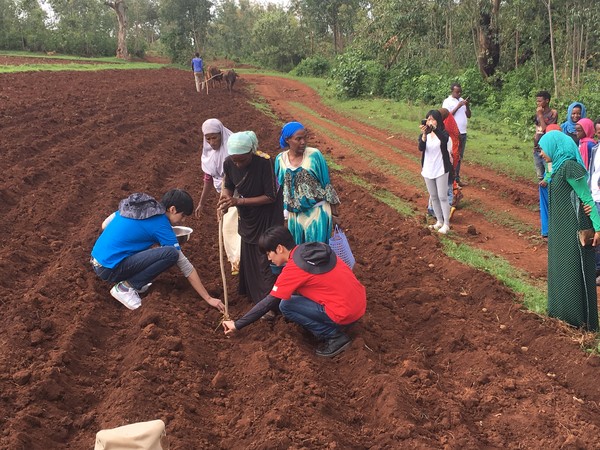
(437, 226)
(126, 295)
(444, 229)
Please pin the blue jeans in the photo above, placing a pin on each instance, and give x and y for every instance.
(544, 209)
(461, 150)
(141, 268)
(539, 164)
(310, 315)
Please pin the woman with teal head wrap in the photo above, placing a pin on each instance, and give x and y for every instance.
(571, 265)
(309, 199)
(242, 143)
(250, 186)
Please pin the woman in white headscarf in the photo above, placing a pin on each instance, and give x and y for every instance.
(214, 152)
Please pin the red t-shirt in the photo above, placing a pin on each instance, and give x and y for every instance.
(342, 295)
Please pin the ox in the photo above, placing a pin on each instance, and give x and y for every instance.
(212, 76)
(230, 78)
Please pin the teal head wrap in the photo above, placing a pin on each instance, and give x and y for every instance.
(560, 148)
(242, 143)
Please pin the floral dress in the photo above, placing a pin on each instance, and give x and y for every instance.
(307, 195)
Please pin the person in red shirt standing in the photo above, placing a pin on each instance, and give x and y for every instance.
(315, 289)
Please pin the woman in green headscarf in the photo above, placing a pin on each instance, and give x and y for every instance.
(251, 186)
(571, 263)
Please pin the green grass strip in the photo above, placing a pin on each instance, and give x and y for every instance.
(76, 67)
(534, 294)
(402, 207)
(500, 218)
(375, 161)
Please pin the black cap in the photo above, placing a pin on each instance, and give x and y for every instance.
(315, 257)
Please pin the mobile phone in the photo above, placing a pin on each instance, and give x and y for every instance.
(424, 122)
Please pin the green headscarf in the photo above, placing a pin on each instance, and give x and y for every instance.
(560, 148)
(242, 143)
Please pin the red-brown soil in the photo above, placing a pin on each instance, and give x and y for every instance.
(444, 357)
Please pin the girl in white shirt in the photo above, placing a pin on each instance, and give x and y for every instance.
(436, 167)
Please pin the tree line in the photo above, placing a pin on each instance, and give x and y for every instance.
(368, 47)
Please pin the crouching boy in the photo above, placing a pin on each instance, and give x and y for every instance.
(138, 243)
(315, 289)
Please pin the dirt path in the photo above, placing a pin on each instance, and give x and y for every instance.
(353, 143)
(444, 357)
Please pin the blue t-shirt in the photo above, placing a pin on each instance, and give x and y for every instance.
(197, 64)
(124, 237)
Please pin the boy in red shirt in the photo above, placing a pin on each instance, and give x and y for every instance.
(315, 289)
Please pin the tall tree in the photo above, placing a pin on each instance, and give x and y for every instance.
(488, 32)
(230, 33)
(83, 27)
(184, 26)
(32, 29)
(120, 9)
(278, 40)
(9, 25)
(548, 5)
(332, 17)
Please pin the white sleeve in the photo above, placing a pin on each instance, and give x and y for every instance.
(184, 265)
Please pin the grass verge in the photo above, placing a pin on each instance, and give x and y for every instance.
(75, 63)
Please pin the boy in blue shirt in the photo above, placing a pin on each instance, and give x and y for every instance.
(198, 69)
(138, 243)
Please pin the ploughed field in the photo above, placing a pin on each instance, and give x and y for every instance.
(445, 357)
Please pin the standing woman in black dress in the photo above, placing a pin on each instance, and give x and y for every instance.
(250, 185)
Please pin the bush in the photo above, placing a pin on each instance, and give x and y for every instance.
(399, 80)
(475, 87)
(314, 66)
(349, 75)
(375, 78)
(428, 88)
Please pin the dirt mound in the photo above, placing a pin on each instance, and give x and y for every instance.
(444, 357)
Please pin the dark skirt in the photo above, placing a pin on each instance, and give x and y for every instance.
(256, 278)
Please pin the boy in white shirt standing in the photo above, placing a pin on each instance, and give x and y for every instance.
(460, 109)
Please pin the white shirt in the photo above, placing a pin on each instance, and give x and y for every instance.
(433, 163)
(595, 175)
(460, 116)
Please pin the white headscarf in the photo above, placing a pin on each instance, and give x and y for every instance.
(212, 160)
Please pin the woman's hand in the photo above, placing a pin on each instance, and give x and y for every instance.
(229, 326)
(198, 210)
(596, 239)
(225, 202)
(543, 183)
(216, 303)
(587, 209)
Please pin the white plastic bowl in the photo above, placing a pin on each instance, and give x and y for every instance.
(182, 233)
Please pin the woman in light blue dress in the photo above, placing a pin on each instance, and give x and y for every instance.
(309, 199)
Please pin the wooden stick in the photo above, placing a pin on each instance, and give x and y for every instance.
(222, 263)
